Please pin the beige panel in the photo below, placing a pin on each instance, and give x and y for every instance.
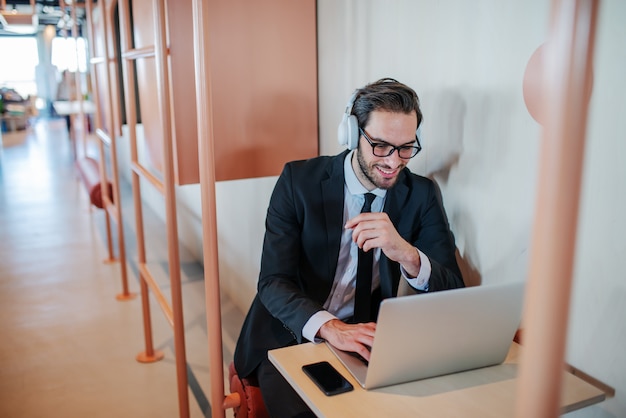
(264, 85)
(150, 116)
(111, 54)
(143, 23)
(183, 90)
(100, 69)
(103, 96)
(143, 34)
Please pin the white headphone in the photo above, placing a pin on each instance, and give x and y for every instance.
(348, 130)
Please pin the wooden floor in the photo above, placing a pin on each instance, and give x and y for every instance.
(68, 346)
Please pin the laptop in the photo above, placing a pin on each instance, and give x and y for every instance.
(434, 334)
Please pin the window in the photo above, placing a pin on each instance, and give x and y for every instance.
(68, 54)
(19, 58)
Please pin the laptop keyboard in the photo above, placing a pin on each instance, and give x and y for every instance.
(359, 357)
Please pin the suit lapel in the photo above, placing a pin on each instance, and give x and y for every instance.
(332, 198)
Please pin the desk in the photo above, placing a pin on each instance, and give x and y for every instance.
(486, 392)
(14, 122)
(64, 108)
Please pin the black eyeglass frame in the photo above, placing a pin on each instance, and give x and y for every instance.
(415, 148)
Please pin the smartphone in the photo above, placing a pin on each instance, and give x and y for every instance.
(327, 378)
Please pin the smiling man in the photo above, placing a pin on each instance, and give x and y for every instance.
(342, 232)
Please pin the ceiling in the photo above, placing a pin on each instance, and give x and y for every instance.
(48, 12)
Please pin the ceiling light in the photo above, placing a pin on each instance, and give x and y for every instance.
(22, 23)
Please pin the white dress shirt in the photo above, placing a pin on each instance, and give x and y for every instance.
(340, 302)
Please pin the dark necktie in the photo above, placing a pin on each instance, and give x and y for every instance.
(363, 294)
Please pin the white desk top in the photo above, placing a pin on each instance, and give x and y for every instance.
(73, 107)
(487, 392)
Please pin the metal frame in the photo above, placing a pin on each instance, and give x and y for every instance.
(108, 138)
(173, 312)
(567, 73)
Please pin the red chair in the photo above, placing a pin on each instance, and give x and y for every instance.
(251, 402)
(89, 171)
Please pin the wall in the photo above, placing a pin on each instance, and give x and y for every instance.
(597, 328)
(466, 60)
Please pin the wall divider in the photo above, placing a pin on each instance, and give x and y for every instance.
(102, 58)
(172, 102)
(173, 309)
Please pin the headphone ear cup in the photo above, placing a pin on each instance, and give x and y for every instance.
(342, 131)
(348, 127)
(352, 132)
(418, 132)
(348, 131)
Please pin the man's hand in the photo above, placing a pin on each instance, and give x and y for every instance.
(357, 338)
(375, 230)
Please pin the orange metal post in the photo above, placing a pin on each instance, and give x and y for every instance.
(160, 51)
(108, 18)
(209, 218)
(79, 120)
(150, 355)
(173, 313)
(567, 74)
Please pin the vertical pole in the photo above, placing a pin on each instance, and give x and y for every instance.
(107, 19)
(567, 74)
(161, 57)
(79, 88)
(129, 77)
(98, 124)
(209, 219)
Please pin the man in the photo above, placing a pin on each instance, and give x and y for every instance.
(307, 283)
(66, 91)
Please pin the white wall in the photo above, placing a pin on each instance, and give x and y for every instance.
(597, 330)
(466, 60)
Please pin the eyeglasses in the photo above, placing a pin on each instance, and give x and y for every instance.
(384, 149)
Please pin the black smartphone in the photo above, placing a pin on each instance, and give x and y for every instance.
(327, 378)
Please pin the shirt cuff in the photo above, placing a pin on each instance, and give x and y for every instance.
(313, 325)
(421, 281)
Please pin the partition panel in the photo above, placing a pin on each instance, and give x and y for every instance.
(103, 57)
(145, 63)
(263, 58)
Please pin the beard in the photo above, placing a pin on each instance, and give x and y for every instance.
(371, 173)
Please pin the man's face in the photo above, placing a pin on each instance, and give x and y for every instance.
(393, 128)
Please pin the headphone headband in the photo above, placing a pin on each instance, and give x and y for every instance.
(348, 130)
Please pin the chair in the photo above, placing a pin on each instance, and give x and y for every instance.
(251, 402)
(89, 171)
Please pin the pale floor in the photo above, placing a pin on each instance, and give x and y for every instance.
(68, 346)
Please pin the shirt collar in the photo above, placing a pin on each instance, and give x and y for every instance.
(352, 182)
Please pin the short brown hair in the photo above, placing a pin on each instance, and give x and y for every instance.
(388, 95)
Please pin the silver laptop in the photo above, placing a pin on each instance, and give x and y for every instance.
(433, 334)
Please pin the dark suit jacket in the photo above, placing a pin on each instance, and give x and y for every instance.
(301, 247)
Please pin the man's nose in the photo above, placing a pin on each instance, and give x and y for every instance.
(394, 159)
